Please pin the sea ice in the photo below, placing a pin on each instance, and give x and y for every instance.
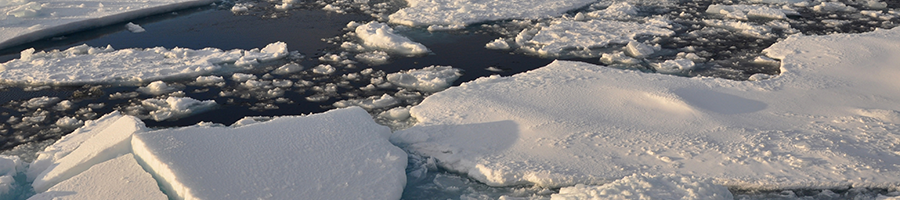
(566, 35)
(120, 177)
(744, 12)
(157, 88)
(827, 121)
(10, 166)
(339, 154)
(428, 79)
(170, 108)
(465, 12)
(134, 28)
(647, 186)
(27, 21)
(84, 65)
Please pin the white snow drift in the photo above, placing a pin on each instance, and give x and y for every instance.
(84, 64)
(829, 120)
(23, 21)
(340, 154)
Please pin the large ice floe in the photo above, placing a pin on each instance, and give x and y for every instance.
(829, 120)
(23, 21)
(465, 12)
(86, 65)
(339, 154)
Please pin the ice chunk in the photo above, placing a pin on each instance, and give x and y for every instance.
(69, 122)
(743, 12)
(575, 123)
(373, 58)
(107, 143)
(68, 143)
(289, 68)
(339, 154)
(827, 7)
(647, 186)
(638, 50)
(428, 79)
(456, 12)
(209, 80)
(674, 66)
(499, 43)
(157, 88)
(324, 69)
(380, 36)
(10, 166)
(567, 35)
(129, 66)
(121, 177)
(748, 29)
(40, 102)
(134, 28)
(615, 11)
(369, 103)
(175, 107)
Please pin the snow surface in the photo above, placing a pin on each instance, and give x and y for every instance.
(830, 120)
(128, 66)
(23, 21)
(647, 186)
(465, 12)
(339, 154)
(120, 177)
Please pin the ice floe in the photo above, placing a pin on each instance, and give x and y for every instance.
(10, 166)
(128, 66)
(121, 177)
(465, 12)
(428, 79)
(567, 35)
(647, 186)
(23, 21)
(827, 121)
(170, 108)
(380, 36)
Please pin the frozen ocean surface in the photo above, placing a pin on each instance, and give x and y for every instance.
(697, 99)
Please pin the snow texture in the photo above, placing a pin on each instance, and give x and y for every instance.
(120, 177)
(377, 35)
(84, 64)
(465, 12)
(566, 35)
(829, 120)
(23, 21)
(339, 154)
(646, 186)
(98, 145)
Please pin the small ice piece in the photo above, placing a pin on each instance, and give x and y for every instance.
(10, 166)
(288, 69)
(108, 142)
(239, 8)
(175, 107)
(446, 27)
(369, 103)
(428, 79)
(374, 57)
(638, 50)
(748, 29)
(157, 88)
(40, 102)
(498, 43)
(827, 7)
(324, 69)
(241, 77)
(615, 11)
(121, 177)
(208, 80)
(134, 28)
(618, 58)
(380, 36)
(64, 105)
(759, 77)
(674, 66)
(69, 122)
(345, 155)
(647, 186)
(398, 113)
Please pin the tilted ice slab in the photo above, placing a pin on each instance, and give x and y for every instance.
(339, 154)
(380, 36)
(829, 120)
(464, 12)
(120, 177)
(84, 64)
(23, 21)
(565, 35)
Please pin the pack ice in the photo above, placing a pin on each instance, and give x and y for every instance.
(23, 21)
(465, 12)
(339, 154)
(85, 65)
(829, 120)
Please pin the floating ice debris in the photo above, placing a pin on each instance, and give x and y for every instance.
(564, 35)
(69, 122)
(210, 80)
(10, 166)
(324, 69)
(121, 177)
(428, 79)
(157, 88)
(40, 102)
(288, 69)
(575, 123)
(370, 103)
(170, 108)
(126, 66)
(674, 66)
(134, 28)
(263, 159)
(464, 12)
(380, 36)
(374, 57)
(616, 11)
(498, 43)
(744, 12)
(647, 186)
(25, 21)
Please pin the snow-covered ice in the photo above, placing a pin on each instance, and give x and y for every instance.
(380, 36)
(647, 186)
(23, 21)
(10, 166)
(829, 120)
(128, 66)
(339, 154)
(121, 177)
(567, 35)
(744, 12)
(134, 28)
(465, 12)
(169, 108)
(428, 79)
